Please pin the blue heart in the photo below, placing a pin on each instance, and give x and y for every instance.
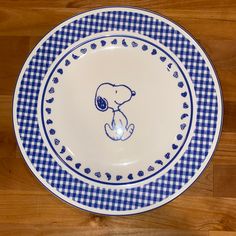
(87, 170)
(185, 105)
(98, 174)
(167, 155)
(69, 158)
(184, 94)
(83, 50)
(103, 43)
(183, 116)
(67, 62)
(118, 177)
(169, 65)
(176, 74)
(48, 110)
(108, 175)
(63, 149)
(181, 84)
(49, 121)
(134, 44)
(144, 47)
(160, 162)
(174, 146)
(114, 41)
(50, 100)
(52, 90)
(154, 52)
(75, 56)
(52, 131)
(93, 46)
(140, 173)
(162, 59)
(179, 136)
(182, 126)
(55, 80)
(130, 176)
(77, 165)
(56, 141)
(124, 43)
(60, 71)
(150, 168)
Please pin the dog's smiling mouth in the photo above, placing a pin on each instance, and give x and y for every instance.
(117, 102)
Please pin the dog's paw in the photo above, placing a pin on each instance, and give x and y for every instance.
(131, 128)
(112, 132)
(128, 133)
(107, 127)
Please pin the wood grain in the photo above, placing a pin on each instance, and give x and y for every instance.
(226, 150)
(208, 207)
(229, 115)
(222, 233)
(35, 230)
(7, 138)
(225, 180)
(162, 4)
(38, 21)
(185, 213)
(14, 50)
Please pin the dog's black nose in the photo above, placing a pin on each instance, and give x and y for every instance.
(133, 93)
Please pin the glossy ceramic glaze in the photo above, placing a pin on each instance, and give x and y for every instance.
(126, 78)
(117, 112)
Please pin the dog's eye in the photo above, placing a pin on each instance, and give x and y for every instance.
(116, 91)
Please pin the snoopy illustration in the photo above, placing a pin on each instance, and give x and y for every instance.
(112, 96)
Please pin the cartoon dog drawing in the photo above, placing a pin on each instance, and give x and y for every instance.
(111, 96)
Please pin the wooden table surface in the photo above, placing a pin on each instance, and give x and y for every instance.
(208, 207)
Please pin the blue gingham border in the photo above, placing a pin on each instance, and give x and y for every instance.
(108, 199)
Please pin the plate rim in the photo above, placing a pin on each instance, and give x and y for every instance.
(149, 178)
(140, 210)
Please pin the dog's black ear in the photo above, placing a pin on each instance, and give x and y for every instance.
(101, 103)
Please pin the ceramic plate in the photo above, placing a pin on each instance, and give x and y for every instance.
(117, 111)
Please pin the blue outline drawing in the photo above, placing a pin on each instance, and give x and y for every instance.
(112, 96)
(45, 108)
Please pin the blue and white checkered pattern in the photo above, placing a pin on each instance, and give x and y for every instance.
(190, 162)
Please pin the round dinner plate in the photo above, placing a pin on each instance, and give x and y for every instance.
(117, 110)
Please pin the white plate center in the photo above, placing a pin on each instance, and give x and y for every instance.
(111, 82)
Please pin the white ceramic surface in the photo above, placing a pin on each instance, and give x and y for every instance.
(117, 113)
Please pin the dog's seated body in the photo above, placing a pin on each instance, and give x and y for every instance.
(119, 129)
(111, 96)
